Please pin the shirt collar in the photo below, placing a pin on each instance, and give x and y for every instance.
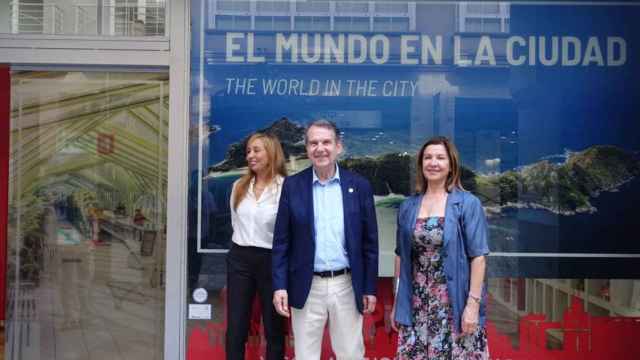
(335, 178)
(277, 180)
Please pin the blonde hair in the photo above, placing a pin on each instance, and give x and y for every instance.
(276, 165)
(453, 178)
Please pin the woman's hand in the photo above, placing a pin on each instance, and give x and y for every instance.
(392, 318)
(470, 317)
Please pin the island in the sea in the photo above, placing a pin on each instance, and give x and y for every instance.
(290, 134)
(563, 188)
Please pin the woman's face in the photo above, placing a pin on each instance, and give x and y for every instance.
(435, 163)
(257, 157)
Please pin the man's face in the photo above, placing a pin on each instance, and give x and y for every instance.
(322, 147)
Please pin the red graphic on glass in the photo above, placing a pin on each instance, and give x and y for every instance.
(579, 336)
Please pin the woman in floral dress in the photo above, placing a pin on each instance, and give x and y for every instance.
(440, 263)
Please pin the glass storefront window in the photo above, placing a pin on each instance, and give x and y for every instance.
(352, 7)
(272, 23)
(539, 99)
(385, 24)
(275, 6)
(317, 23)
(87, 215)
(130, 18)
(351, 24)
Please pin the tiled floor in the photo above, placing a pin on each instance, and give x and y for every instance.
(92, 302)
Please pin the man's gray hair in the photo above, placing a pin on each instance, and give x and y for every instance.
(323, 123)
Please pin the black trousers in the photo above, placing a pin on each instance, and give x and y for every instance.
(248, 271)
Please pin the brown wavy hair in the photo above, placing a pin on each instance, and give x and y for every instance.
(276, 165)
(453, 178)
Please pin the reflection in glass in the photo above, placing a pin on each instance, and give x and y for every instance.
(549, 149)
(87, 215)
(93, 17)
(346, 16)
(600, 311)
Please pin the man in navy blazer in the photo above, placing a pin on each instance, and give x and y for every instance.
(325, 250)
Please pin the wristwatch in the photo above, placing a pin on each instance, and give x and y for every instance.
(474, 298)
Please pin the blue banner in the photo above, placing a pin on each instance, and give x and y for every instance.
(540, 100)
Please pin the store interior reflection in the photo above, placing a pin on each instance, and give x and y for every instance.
(87, 216)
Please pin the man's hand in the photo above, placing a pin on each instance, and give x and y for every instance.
(281, 302)
(369, 302)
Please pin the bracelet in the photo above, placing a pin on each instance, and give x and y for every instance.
(396, 285)
(474, 298)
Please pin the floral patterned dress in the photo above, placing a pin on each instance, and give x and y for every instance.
(432, 335)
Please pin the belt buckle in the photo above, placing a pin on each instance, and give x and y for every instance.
(335, 273)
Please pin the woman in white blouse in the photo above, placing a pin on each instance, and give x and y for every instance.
(254, 205)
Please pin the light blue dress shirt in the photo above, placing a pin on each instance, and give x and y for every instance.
(328, 221)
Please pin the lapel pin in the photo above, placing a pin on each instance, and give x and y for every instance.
(350, 190)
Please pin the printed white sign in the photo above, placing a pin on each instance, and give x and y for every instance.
(200, 311)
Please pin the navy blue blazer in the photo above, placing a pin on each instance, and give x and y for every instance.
(294, 236)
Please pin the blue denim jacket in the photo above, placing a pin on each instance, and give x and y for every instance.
(465, 237)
